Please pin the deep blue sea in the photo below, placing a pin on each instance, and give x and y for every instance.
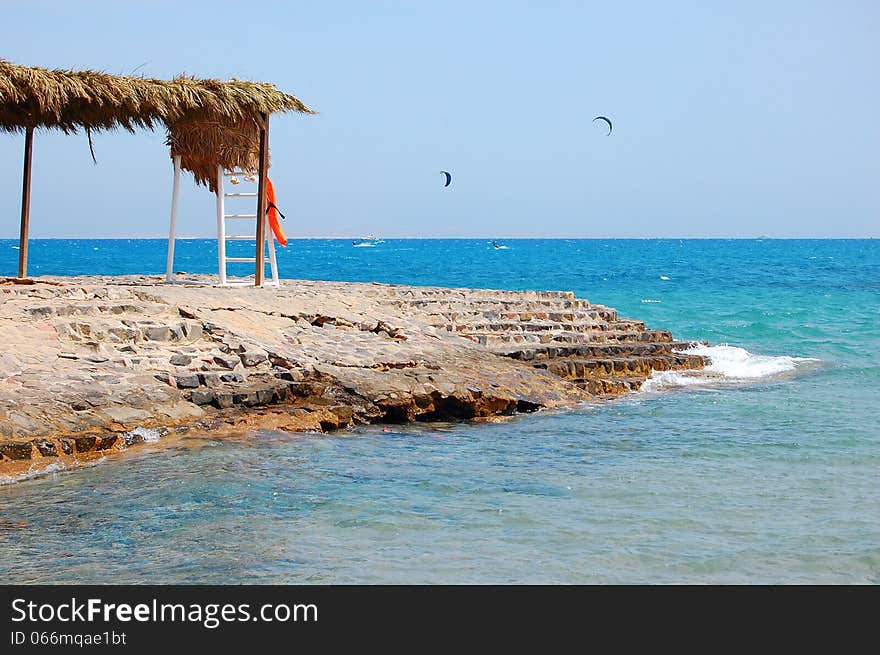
(767, 475)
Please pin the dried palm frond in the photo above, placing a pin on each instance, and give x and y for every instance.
(209, 122)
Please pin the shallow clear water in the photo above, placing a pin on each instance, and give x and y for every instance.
(768, 475)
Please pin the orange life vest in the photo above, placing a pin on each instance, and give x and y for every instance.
(272, 211)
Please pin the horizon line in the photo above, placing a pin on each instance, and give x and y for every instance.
(466, 238)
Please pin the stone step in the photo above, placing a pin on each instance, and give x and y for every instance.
(468, 316)
(522, 326)
(687, 345)
(502, 339)
(653, 336)
(580, 369)
(599, 336)
(90, 308)
(500, 304)
(612, 386)
(634, 323)
(600, 350)
(429, 293)
(128, 331)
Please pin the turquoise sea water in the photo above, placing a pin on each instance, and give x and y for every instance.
(768, 475)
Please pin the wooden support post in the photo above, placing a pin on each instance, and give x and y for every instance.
(25, 204)
(172, 231)
(261, 201)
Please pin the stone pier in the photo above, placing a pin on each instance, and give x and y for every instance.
(94, 365)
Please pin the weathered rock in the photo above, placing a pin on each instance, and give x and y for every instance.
(248, 399)
(40, 312)
(106, 355)
(186, 312)
(202, 396)
(125, 414)
(105, 442)
(292, 375)
(223, 400)
(251, 358)
(187, 381)
(210, 379)
(226, 361)
(265, 396)
(156, 332)
(15, 450)
(193, 331)
(85, 444)
(280, 361)
(46, 448)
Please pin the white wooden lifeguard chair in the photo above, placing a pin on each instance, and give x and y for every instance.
(222, 237)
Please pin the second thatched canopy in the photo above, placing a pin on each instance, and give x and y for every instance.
(209, 122)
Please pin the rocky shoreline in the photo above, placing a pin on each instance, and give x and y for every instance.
(95, 365)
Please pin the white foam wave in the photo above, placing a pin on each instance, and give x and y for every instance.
(145, 435)
(649, 300)
(33, 472)
(731, 365)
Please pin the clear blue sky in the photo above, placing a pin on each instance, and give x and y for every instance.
(730, 119)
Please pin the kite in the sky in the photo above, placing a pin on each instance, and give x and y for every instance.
(602, 118)
(448, 178)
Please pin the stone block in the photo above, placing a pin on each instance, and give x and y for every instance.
(211, 379)
(16, 450)
(292, 375)
(193, 330)
(156, 332)
(85, 444)
(248, 399)
(125, 411)
(223, 400)
(187, 381)
(265, 396)
(226, 361)
(252, 358)
(103, 443)
(46, 448)
(202, 397)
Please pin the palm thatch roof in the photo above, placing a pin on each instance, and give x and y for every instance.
(210, 122)
(202, 145)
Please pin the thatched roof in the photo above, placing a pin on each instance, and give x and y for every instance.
(227, 111)
(202, 145)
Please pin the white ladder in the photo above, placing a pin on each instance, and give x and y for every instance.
(222, 237)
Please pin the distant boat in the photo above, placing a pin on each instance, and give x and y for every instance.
(497, 246)
(367, 242)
